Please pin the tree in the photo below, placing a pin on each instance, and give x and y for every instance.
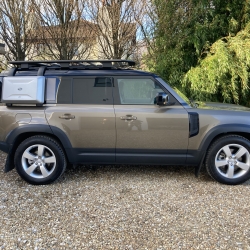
(185, 30)
(115, 26)
(147, 27)
(224, 74)
(172, 53)
(14, 29)
(62, 32)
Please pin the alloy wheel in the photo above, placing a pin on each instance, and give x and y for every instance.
(38, 161)
(232, 161)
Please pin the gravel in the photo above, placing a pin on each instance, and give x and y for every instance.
(124, 207)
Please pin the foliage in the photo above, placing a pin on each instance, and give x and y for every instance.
(186, 29)
(224, 74)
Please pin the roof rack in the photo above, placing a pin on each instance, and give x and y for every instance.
(42, 66)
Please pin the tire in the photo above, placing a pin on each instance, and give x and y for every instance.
(228, 160)
(40, 160)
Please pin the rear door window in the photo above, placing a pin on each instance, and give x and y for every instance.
(89, 90)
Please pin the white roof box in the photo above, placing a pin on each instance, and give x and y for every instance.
(23, 89)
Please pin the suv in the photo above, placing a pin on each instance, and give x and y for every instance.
(102, 112)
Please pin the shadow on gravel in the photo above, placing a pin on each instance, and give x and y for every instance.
(133, 171)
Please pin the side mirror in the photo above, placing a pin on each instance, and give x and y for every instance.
(162, 99)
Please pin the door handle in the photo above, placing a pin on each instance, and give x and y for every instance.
(128, 118)
(67, 116)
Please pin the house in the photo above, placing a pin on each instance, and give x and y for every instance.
(83, 39)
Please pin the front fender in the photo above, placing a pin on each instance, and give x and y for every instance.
(220, 130)
(198, 156)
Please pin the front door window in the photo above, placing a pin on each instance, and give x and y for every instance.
(138, 91)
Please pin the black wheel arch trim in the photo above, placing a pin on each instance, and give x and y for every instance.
(61, 136)
(42, 128)
(35, 128)
(196, 157)
(29, 128)
(5, 147)
(222, 129)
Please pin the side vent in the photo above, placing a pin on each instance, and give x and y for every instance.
(194, 124)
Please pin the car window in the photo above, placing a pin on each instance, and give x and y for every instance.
(52, 84)
(96, 90)
(92, 91)
(138, 91)
(64, 94)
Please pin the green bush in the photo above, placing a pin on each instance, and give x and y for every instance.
(223, 75)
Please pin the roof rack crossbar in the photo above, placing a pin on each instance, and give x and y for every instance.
(64, 64)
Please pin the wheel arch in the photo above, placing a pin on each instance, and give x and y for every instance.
(19, 134)
(221, 130)
(217, 132)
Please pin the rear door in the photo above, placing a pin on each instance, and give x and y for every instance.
(147, 133)
(85, 113)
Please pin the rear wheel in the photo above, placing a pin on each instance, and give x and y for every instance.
(40, 160)
(228, 160)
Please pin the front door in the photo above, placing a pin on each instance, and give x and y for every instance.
(147, 133)
(85, 113)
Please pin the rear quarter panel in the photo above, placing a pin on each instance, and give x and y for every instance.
(16, 116)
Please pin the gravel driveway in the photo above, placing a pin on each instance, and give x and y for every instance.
(124, 207)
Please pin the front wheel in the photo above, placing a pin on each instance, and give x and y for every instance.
(228, 160)
(40, 160)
